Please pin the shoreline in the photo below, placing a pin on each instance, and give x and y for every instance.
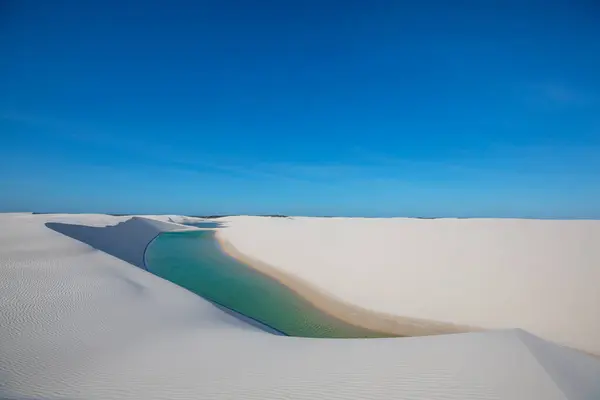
(351, 314)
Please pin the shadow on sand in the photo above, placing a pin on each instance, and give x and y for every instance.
(127, 240)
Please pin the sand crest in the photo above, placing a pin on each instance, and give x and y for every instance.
(84, 322)
(402, 273)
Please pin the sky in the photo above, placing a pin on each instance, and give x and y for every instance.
(301, 107)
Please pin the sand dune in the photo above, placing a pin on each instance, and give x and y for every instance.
(79, 322)
(537, 275)
(137, 232)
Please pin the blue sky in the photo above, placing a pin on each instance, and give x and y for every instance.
(372, 108)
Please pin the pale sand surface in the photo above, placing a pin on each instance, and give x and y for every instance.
(350, 313)
(81, 323)
(538, 275)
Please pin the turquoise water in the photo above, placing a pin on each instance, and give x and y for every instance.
(204, 224)
(195, 261)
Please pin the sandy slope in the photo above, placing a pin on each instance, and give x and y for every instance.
(537, 275)
(79, 323)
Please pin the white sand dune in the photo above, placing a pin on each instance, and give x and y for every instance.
(126, 240)
(538, 275)
(79, 322)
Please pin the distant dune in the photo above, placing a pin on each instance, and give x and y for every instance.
(81, 319)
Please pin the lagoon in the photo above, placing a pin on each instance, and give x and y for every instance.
(195, 261)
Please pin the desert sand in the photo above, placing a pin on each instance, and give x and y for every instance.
(421, 276)
(81, 319)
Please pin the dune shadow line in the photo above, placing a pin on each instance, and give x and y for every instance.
(126, 241)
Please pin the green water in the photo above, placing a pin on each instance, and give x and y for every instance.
(195, 261)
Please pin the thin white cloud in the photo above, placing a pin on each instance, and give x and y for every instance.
(147, 153)
(553, 95)
(365, 166)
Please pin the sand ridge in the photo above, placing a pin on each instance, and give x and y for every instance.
(78, 322)
(389, 324)
(538, 275)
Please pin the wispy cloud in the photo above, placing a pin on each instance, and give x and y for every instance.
(561, 94)
(365, 166)
(148, 154)
(555, 95)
